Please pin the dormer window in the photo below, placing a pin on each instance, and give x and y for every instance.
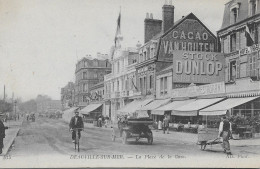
(253, 7)
(234, 9)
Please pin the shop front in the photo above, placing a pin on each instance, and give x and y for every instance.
(92, 112)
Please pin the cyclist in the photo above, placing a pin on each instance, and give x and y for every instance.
(76, 122)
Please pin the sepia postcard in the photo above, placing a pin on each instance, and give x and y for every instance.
(120, 84)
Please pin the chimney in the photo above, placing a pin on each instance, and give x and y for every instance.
(167, 16)
(151, 27)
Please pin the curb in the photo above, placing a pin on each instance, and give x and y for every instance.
(9, 144)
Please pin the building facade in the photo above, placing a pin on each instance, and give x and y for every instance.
(239, 38)
(120, 84)
(68, 96)
(88, 73)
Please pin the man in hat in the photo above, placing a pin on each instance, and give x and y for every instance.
(225, 131)
(2, 132)
(76, 122)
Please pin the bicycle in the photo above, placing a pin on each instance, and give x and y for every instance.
(77, 137)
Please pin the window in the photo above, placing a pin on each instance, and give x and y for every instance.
(161, 85)
(253, 7)
(118, 67)
(95, 75)
(145, 55)
(118, 85)
(85, 87)
(165, 85)
(151, 82)
(232, 70)
(233, 42)
(144, 85)
(141, 84)
(252, 66)
(84, 75)
(86, 64)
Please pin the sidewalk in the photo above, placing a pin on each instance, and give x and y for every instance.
(11, 133)
(187, 138)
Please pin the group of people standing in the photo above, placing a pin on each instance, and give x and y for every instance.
(164, 125)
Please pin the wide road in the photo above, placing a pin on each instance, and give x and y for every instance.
(51, 137)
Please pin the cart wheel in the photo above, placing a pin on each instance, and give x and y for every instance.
(150, 138)
(124, 137)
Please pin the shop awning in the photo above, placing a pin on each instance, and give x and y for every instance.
(155, 104)
(133, 106)
(192, 108)
(171, 106)
(89, 108)
(222, 107)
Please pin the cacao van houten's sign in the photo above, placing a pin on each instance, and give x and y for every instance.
(193, 91)
(190, 35)
(198, 67)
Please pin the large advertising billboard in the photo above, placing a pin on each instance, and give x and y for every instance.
(198, 67)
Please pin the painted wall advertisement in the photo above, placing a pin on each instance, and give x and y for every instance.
(190, 35)
(198, 67)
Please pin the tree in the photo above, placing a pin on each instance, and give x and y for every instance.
(5, 107)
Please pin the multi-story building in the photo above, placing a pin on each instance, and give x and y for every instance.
(120, 84)
(88, 73)
(68, 96)
(239, 38)
(172, 57)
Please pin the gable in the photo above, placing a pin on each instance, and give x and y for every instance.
(188, 35)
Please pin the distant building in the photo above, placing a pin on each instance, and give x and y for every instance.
(68, 96)
(50, 106)
(88, 73)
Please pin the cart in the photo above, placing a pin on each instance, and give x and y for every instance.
(208, 136)
(133, 129)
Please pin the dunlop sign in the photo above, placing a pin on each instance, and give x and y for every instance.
(198, 67)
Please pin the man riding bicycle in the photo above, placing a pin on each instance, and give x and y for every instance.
(76, 122)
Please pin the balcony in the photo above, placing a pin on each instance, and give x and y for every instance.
(108, 77)
(125, 93)
(134, 93)
(115, 95)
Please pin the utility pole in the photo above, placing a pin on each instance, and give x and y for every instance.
(4, 93)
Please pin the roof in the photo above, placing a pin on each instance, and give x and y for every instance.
(242, 13)
(189, 16)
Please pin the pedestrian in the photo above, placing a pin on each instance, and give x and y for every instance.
(2, 133)
(165, 125)
(225, 131)
(159, 125)
(76, 122)
(100, 121)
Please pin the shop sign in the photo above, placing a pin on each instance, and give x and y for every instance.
(249, 50)
(144, 70)
(198, 67)
(190, 35)
(194, 91)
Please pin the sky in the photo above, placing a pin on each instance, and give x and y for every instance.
(41, 40)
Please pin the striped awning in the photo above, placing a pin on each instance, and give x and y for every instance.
(222, 107)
